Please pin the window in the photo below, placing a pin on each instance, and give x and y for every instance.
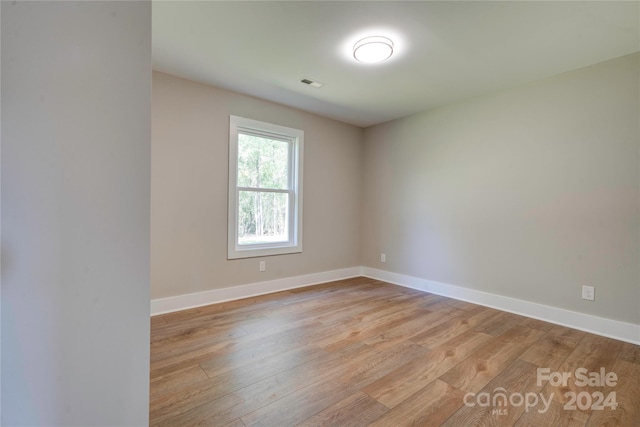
(265, 189)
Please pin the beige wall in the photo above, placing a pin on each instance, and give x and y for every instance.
(530, 193)
(190, 133)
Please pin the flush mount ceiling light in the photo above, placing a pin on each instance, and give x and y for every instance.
(373, 49)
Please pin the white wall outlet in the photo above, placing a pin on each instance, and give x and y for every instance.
(589, 293)
(263, 265)
(383, 257)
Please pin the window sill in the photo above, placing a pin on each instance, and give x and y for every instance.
(263, 251)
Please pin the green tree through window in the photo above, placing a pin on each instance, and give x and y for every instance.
(262, 164)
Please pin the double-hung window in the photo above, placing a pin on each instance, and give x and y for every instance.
(265, 189)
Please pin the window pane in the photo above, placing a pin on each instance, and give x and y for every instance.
(262, 162)
(262, 217)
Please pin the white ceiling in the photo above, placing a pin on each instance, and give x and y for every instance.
(445, 51)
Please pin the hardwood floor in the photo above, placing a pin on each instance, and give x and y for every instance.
(362, 352)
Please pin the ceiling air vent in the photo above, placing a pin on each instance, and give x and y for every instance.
(310, 82)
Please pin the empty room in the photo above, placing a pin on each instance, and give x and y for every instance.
(313, 213)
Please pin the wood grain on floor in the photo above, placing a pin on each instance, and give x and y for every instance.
(361, 352)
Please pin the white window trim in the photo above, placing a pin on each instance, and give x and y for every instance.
(296, 136)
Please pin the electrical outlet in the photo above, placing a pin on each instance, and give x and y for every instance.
(383, 257)
(589, 293)
(263, 265)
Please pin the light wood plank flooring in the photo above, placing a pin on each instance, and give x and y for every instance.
(362, 352)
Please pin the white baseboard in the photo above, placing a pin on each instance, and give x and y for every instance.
(622, 331)
(198, 299)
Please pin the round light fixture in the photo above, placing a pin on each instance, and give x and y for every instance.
(373, 49)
